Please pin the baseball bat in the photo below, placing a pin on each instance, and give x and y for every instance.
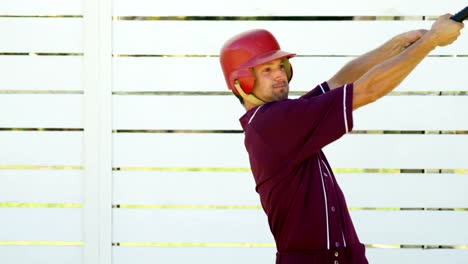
(460, 16)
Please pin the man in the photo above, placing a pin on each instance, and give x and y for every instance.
(306, 209)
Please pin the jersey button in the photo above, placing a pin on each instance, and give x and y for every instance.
(336, 254)
(333, 209)
(337, 244)
(336, 262)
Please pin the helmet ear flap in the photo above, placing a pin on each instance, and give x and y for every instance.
(288, 69)
(245, 78)
(243, 82)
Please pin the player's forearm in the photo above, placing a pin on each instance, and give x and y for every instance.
(384, 77)
(354, 69)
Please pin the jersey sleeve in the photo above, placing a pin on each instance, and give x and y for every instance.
(318, 90)
(303, 126)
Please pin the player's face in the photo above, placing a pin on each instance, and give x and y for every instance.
(271, 82)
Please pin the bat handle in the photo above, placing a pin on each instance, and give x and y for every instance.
(460, 16)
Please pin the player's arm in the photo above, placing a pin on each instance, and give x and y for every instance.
(354, 69)
(384, 77)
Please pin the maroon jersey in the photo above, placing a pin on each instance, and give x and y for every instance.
(306, 208)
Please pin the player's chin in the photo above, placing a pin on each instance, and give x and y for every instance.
(281, 94)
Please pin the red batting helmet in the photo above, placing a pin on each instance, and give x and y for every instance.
(247, 50)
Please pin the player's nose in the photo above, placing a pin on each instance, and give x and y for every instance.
(279, 75)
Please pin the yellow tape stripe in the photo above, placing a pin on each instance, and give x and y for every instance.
(194, 206)
(259, 207)
(374, 209)
(186, 206)
(195, 244)
(40, 16)
(40, 167)
(417, 246)
(336, 170)
(270, 245)
(40, 54)
(199, 169)
(40, 205)
(213, 245)
(40, 243)
(181, 169)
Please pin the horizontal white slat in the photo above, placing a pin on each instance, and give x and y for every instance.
(223, 112)
(195, 188)
(41, 73)
(190, 225)
(351, 151)
(40, 7)
(206, 255)
(138, 74)
(410, 256)
(40, 224)
(304, 38)
(40, 148)
(414, 113)
(178, 150)
(41, 186)
(41, 35)
(41, 110)
(147, 255)
(40, 254)
(192, 112)
(411, 227)
(230, 188)
(205, 225)
(425, 77)
(399, 151)
(405, 190)
(293, 8)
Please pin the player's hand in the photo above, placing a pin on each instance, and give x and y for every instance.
(445, 31)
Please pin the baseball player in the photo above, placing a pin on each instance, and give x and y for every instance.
(306, 209)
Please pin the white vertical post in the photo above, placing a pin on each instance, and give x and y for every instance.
(97, 154)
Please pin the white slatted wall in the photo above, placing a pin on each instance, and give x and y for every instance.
(174, 170)
(174, 214)
(41, 131)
